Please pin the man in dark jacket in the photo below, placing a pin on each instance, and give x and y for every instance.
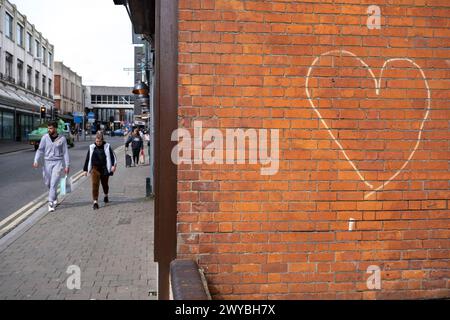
(137, 144)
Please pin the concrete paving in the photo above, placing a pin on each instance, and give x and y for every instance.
(113, 246)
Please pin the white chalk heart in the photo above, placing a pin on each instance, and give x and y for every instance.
(377, 90)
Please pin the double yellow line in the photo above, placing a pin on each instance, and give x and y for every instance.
(9, 223)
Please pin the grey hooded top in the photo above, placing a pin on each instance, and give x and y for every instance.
(53, 151)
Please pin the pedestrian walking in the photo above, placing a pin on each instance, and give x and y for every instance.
(101, 163)
(147, 142)
(137, 144)
(147, 138)
(53, 148)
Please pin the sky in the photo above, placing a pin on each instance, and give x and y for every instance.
(91, 37)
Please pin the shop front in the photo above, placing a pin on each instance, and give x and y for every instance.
(19, 115)
(16, 123)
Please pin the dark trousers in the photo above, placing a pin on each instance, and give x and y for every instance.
(136, 156)
(96, 179)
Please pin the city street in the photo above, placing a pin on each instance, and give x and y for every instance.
(21, 184)
(112, 247)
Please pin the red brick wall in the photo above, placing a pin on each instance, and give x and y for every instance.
(244, 64)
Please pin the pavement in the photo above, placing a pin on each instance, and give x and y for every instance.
(13, 146)
(112, 247)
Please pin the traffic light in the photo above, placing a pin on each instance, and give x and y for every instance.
(43, 112)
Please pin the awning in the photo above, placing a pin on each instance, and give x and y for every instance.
(11, 98)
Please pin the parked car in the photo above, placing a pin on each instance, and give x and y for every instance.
(118, 132)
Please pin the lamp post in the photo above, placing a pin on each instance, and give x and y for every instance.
(141, 90)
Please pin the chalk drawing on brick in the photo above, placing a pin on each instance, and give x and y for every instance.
(377, 82)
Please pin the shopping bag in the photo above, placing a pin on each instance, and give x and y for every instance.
(62, 185)
(128, 160)
(65, 186)
(142, 157)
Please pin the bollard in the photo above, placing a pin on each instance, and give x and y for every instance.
(148, 188)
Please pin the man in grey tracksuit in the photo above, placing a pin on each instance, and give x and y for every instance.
(54, 149)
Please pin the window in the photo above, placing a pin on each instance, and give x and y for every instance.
(9, 26)
(50, 87)
(29, 75)
(44, 56)
(26, 125)
(8, 125)
(66, 89)
(20, 73)
(19, 35)
(29, 43)
(36, 80)
(43, 84)
(50, 60)
(8, 65)
(38, 49)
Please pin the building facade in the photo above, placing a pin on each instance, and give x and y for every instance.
(68, 90)
(111, 105)
(26, 74)
(353, 101)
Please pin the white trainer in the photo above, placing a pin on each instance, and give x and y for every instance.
(51, 208)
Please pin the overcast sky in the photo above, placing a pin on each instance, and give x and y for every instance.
(92, 37)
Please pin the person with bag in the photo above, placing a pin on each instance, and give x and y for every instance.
(147, 140)
(137, 144)
(101, 163)
(53, 147)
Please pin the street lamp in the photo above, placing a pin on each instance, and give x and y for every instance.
(140, 88)
(142, 99)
